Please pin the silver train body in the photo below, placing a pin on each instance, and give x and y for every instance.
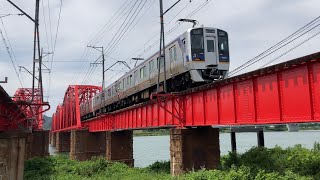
(198, 56)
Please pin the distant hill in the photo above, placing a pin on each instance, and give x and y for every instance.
(47, 122)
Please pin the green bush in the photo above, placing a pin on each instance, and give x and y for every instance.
(302, 161)
(160, 166)
(255, 164)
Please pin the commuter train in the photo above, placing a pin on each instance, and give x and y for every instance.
(198, 56)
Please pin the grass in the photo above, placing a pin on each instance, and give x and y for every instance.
(151, 132)
(256, 164)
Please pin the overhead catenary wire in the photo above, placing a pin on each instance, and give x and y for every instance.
(298, 45)
(197, 9)
(271, 49)
(125, 30)
(131, 16)
(54, 48)
(171, 30)
(108, 26)
(8, 47)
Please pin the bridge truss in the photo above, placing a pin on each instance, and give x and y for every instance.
(280, 94)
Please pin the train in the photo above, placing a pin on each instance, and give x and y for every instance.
(200, 55)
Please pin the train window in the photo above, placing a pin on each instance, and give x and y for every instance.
(130, 79)
(135, 77)
(144, 71)
(223, 46)
(174, 53)
(210, 31)
(123, 83)
(210, 45)
(150, 66)
(171, 54)
(141, 73)
(197, 47)
(161, 62)
(109, 92)
(158, 63)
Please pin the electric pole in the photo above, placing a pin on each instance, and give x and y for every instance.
(36, 48)
(162, 53)
(103, 60)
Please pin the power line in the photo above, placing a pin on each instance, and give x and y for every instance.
(9, 48)
(171, 30)
(50, 23)
(313, 36)
(126, 29)
(120, 30)
(276, 47)
(54, 48)
(108, 26)
(167, 33)
(45, 25)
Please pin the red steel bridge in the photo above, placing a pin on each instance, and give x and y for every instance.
(280, 94)
(21, 111)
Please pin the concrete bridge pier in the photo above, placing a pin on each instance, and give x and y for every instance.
(193, 149)
(63, 141)
(53, 139)
(119, 147)
(12, 154)
(85, 144)
(37, 144)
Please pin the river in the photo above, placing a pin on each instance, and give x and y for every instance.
(148, 149)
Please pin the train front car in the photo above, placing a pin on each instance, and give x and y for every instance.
(208, 54)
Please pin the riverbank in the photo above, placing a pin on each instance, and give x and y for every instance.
(275, 128)
(257, 163)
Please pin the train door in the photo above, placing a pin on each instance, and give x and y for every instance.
(210, 51)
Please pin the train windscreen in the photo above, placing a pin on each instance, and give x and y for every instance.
(223, 46)
(197, 44)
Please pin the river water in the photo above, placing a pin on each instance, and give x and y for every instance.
(148, 149)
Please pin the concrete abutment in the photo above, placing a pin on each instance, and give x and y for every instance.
(119, 147)
(193, 149)
(12, 154)
(53, 139)
(85, 144)
(37, 144)
(63, 141)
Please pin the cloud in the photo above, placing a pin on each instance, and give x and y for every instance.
(253, 26)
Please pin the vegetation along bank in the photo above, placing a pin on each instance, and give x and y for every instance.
(256, 164)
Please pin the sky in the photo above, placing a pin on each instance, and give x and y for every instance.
(253, 26)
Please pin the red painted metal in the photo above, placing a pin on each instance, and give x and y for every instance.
(10, 113)
(285, 93)
(32, 108)
(21, 111)
(67, 115)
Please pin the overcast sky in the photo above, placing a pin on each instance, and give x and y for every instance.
(253, 26)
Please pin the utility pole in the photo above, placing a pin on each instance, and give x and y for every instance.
(103, 60)
(36, 48)
(162, 53)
